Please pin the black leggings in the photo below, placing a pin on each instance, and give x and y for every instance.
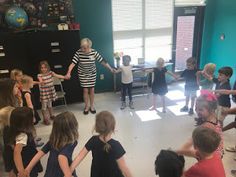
(126, 88)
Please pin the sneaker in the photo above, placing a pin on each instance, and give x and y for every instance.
(231, 149)
(39, 144)
(190, 112)
(131, 105)
(163, 110)
(184, 109)
(123, 105)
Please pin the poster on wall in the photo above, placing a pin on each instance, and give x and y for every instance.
(31, 14)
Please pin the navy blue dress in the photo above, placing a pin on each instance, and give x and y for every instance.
(53, 168)
(159, 85)
(104, 163)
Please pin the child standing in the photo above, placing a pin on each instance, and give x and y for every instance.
(205, 143)
(159, 85)
(47, 90)
(62, 141)
(191, 85)
(126, 80)
(204, 78)
(27, 96)
(108, 154)
(206, 106)
(17, 75)
(22, 139)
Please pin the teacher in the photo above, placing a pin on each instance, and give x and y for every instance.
(86, 57)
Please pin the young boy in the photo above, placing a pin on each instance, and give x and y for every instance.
(191, 85)
(169, 164)
(206, 141)
(126, 80)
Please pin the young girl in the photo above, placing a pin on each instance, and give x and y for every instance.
(108, 154)
(205, 77)
(27, 97)
(47, 90)
(127, 80)
(21, 135)
(206, 106)
(62, 141)
(159, 85)
(4, 132)
(17, 75)
(8, 93)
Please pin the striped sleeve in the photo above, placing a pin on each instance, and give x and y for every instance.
(76, 58)
(99, 58)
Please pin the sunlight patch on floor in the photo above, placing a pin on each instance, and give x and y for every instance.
(146, 115)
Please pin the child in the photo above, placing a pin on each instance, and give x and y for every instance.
(206, 106)
(47, 90)
(4, 132)
(204, 78)
(169, 164)
(17, 75)
(159, 85)
(62, 141)
(108, 154)
(191, 86)
(223, 83)
(205, 142)
(8, 93)
(22, 139)
(27, 97)
(126, 80)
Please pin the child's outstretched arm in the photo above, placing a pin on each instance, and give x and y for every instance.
(59, 76)
(34, 161)
(173, 75)
(225, 92)
(64, 165)
(123, 167)
(78, 159)
(198, 74)
(187, 149)
(18, 160)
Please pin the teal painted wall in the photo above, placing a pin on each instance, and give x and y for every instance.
(220, 17)
(95, 18)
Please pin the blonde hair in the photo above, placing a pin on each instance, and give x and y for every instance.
(104, 125)
(26, 79)
(44, 62)
(209, 68)
(14, 73)
(5, 114)
(86, 42)
(160, 62)
(64, 130)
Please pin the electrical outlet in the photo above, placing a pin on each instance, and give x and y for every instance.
(101, 76)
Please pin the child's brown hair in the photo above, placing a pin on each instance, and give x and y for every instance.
(14, 73)
(227, 71)
(64, 130)
(191, 61)
(206, 140)
(104, 125)
(44, 62)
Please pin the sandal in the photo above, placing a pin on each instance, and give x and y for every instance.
(86, 111)
(231, 149)
(92, 111)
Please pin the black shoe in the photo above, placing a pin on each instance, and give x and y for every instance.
(39, 144)
(190, 112)
(85, 112)
(92, 111)
(184, 109)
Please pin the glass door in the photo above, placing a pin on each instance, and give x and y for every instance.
(187, 36)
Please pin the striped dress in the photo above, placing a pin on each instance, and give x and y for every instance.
(87, 67)
(47, 90)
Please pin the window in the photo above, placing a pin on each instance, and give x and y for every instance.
(143, 28)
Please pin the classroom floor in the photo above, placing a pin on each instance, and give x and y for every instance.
(142, 133)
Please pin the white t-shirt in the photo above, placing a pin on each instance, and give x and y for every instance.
(126, 74)
(22, 139)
